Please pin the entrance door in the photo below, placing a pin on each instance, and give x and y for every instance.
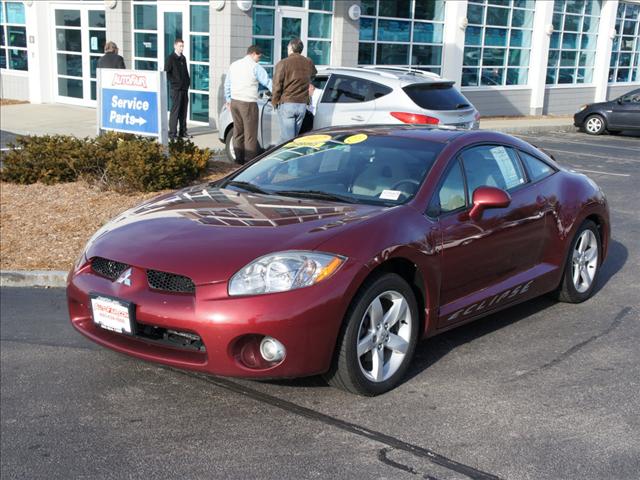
(172, 18)
(80, 35)
(290, 24)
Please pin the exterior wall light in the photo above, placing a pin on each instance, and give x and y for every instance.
(218, 4)
(355, 11)
(549, 29)
(244, 5)
(111, 4)
(463, 23)
(612, 33)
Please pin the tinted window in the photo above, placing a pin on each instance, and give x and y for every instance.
(320, 82)
(361, 167)
(537, 169)
(352, 90)
(492, 166)
(631, 97)
(450, 195)
(436, 96)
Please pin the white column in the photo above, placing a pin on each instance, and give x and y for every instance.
(606, 34)
(455, 14)
(119, 24)
(41, 66)
(346, 33)
(542, 25)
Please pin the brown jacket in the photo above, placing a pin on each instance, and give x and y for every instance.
(291, 80)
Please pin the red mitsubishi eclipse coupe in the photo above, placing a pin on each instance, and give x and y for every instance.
(336, 252)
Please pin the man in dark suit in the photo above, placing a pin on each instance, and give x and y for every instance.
(179, 80)
(111, 59)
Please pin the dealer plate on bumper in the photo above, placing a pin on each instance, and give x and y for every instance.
(112, 313)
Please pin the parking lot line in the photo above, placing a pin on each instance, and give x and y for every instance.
(580, 154)
(578, 169)
(553, 139)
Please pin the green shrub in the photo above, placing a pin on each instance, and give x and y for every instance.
(114, 161)
(48, 159)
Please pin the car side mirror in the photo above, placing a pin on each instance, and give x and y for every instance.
(488, 197)
(620, 102)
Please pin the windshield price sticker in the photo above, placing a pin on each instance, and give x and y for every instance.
(390, 194)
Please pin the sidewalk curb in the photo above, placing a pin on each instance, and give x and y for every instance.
(533, 129)
(33, 278)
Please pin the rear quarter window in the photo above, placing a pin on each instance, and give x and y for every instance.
(436, 96)
(537, 169)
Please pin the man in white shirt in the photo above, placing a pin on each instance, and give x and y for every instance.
(241, 95)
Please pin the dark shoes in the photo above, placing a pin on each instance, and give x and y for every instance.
(186, 135)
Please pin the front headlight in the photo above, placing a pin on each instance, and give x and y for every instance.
(582, 108)
(282, 271)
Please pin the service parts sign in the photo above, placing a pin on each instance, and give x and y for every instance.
(131, 101)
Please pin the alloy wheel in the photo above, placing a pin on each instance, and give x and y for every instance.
(384, 336)
(584, 261)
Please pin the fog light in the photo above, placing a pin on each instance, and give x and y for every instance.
(271, 349)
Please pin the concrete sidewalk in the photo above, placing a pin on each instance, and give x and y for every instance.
(32, 119)
(58, 119)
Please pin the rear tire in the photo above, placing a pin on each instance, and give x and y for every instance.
(594, 125)
(228, 146)
(582, 265)
(378, 338)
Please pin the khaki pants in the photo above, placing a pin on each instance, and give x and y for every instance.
(245, 130)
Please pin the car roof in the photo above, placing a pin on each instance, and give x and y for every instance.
(429, 133)
(387, 74)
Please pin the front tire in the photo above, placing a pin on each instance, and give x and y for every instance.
(378, 338)
(594, 125)
(582, 265)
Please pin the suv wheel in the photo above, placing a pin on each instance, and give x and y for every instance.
(228, 146)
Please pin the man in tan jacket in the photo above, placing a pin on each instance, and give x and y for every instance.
(291, 89)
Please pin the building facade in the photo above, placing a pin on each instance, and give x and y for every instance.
(509, 57)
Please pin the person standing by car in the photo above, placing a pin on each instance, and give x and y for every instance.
(111, 59)
(241, 95)
(291, 89)
(179, 80)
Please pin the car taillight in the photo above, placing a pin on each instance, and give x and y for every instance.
(477, 116)
(405, 117)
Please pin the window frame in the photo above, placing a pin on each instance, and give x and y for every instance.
(6, 48)
(530, 179)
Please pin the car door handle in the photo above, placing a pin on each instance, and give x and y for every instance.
(358, 118)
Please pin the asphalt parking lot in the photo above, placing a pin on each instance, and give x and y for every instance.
(543, 390)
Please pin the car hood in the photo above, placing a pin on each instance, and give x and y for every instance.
(210, 233)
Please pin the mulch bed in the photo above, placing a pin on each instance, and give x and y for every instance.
(46, 227)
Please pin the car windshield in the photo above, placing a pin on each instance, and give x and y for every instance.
(354, 167)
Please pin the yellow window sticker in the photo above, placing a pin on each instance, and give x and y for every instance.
(359, 137)
(312, 140)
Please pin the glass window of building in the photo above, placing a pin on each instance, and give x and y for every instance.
(625, 53)
(402, 33)
(273, 28)
(497, 42)
(156, 25)
(13, 37)
(572, 49)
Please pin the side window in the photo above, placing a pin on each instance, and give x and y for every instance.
(537, 169)
(343, 89)
(493, 166)
(320, 82)
(450, 195)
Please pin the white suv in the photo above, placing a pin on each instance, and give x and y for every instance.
(367, 96)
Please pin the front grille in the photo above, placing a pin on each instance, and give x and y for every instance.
(170, 282)
(170, 338)
(108, 268)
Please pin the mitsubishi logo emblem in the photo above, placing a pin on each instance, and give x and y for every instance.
(125, 278)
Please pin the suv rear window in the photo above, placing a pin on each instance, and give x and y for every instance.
(436, 96)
